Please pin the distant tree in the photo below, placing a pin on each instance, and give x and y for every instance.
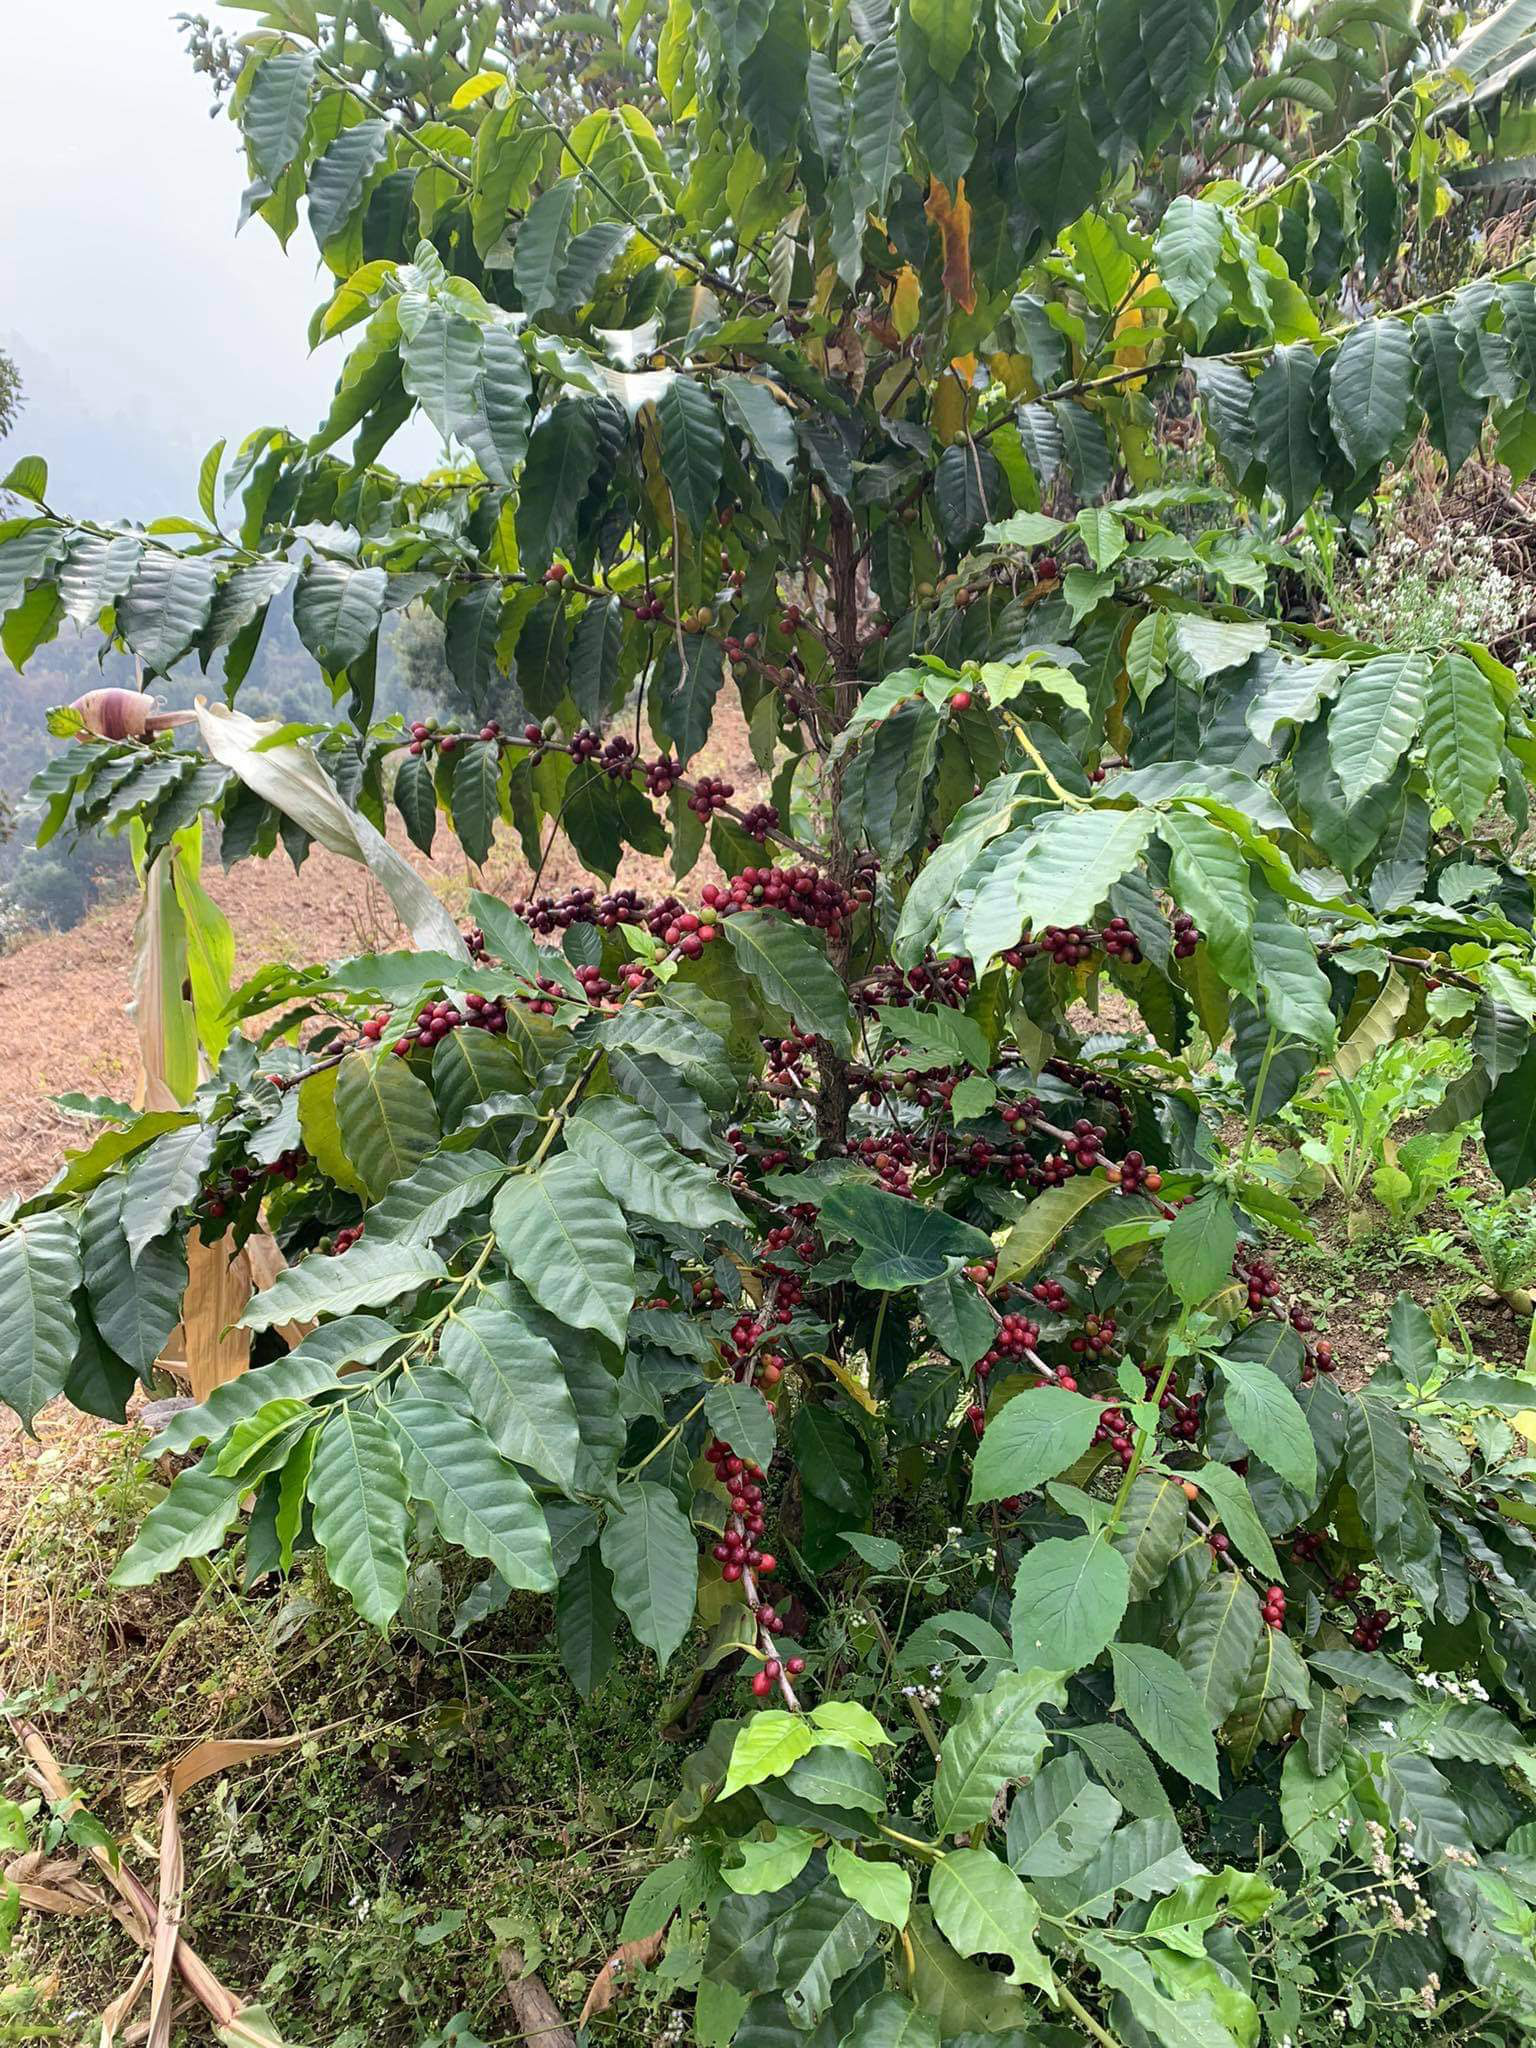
(10, 393)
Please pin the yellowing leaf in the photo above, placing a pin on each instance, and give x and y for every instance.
(907, 302)
(477, 88)
(952, 218)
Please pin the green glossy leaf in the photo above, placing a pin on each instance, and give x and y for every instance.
(1369, 388)
(1068, 1600)
(901, 1243)
(692, 448)
(1463, 734)
(481, 1502)
(387, 1118)
(39, 1272)
(1217, 1639)
(1163, 1707)
(1197, 1252)
(1266, 1415)
(649, 1548)
(358, 1494)
(1375, 720)
(191, 1521)
(1030, 1439)
(517, 1387)
(792, 972)
(983, 1908)
(996, 1740)
(565, 1238)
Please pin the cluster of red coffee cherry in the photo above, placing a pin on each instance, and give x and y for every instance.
(434, 1021)
(1274, 1606)
(218, 1197)
(800, 892)
(1075, 944)
(425, 735)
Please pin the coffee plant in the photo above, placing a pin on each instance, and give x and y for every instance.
(788, 1267)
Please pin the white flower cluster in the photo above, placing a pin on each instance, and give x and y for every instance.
(1426, 593)
(1463, 1689)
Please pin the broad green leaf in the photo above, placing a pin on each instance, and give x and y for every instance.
(901, 1243)
(1383, 1470)
(996, 1740)
(1153, 1529)
(1188, 249)
(1509, 1124)
(1045, 1220)
(165, 607)
(891, 2021)
(957, 1996)
(1283, 418)
(562, 454)
(983, 1908)
(426, 1202)
(649, 1548)
(1375, 719)
(367, 1276)
(336, 611)
(517, 1387)
(565, 1238)
(1177, 38)
(358, 1495)
(692, 448)
(1368, 390)
(1455, 418)
(1463, 733)
(338, 179)
(481, 1502)
(765, 1747)
(1163, 1707)
(877, 129)
(311, 1368)
(387, 1119)
(39, 1272)
(1059, 1819)
(542, 242)
(1228, 1494)
(1208, 877)
(1188, 2020)
(740, 1417)
(1267, 1417)
(1030, 1439)
(636, 1163)
(1142, 1858)
(587, 1621)
(191, 1521)
(1060, 874)
(276, 110)
(769, 1866)
(163, 1180)
(1197, 1252)
(1217, 1639)
(819, 1943)
(1068, 1600)
(949, 26)
(792, 972)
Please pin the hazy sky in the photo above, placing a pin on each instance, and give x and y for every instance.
(144, 327)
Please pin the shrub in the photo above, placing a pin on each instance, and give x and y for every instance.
(698, 1268)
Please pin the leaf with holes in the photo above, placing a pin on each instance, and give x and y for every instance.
(997, 1741)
